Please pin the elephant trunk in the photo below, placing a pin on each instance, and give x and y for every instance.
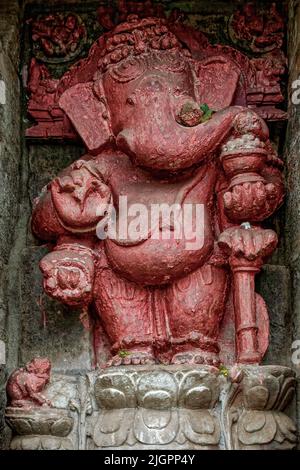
(164, 144)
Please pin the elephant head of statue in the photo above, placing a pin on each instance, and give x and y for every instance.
(152, 100)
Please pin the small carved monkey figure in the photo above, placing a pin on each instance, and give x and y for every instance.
(25, 385)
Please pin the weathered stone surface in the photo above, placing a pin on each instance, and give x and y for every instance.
(45, 161)
(256, 395)
(4, 434)
(10, 110)
(274, 285)
(10, 30)
(162, 407)
(9, 170)
(9, 197)
(48, 327)
(40, 429)
(292, 228)
(10, 151)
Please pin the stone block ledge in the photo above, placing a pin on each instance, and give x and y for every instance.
(161, 407)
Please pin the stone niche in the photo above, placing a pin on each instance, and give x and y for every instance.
(150, 406)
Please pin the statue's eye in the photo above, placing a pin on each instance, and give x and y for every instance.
(130, 101)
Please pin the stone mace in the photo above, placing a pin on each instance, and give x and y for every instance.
(247, 247)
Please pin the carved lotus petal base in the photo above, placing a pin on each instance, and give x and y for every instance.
(188, 407)
(40, 443)
(39, 428)
(165, 407)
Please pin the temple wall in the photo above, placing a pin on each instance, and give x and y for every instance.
(292, 227)
(31, 324)
(11, 189)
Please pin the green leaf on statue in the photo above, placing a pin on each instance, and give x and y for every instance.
(207, 112)
(123, 353)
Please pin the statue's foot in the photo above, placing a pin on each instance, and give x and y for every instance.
(22, 404)
(132, 357)
(196, 356)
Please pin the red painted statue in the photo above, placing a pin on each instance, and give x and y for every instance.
(25, 385)
(163, 128)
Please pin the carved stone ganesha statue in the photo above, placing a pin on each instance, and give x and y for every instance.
(162, 128)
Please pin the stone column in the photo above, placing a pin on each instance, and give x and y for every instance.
(293, 174)
(9, 172)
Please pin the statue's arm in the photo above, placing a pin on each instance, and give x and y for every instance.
(35, 396)
(67, 213)
(74, 202)
(45, 222)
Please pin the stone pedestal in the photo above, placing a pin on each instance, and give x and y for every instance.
(163, 407)
(40, 429)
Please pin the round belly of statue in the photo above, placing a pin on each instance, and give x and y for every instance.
(158, 261)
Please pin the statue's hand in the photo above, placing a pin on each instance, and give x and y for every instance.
(80, 197)
(252, 202)
(250, 244)
(68, 276)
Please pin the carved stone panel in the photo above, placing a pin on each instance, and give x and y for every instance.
(162, 407)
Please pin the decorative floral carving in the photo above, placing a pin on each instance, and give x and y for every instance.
(157, 407)
(82, 405)
(198, 395)
(266, 92)
(147, 406)
(40, 443)
(107, 14)
(260, 87)
(58, 37)
(40, 429)
(156, 419)
(257, 30)
(43, 422)
(255, 408)
(115, 390)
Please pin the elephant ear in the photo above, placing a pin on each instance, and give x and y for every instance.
(88, 115)
(218, 80)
